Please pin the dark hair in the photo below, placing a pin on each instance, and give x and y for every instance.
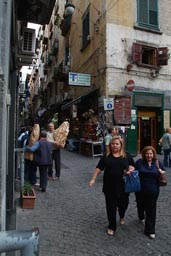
(109, 130)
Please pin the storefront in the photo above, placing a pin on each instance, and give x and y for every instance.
(147, 121)
(82, 113)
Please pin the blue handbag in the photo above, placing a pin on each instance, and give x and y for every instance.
(132, 182)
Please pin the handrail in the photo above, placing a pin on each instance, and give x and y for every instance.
(25, 241)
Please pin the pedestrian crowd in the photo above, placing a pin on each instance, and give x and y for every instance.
(43, 147)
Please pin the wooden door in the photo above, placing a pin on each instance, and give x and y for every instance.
(146, 129)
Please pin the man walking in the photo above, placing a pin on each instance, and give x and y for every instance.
(56, 156)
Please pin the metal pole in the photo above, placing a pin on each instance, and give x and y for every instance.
(20, 153)
(26, 241)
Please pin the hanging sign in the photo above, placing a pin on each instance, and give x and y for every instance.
(79, 79)
(108, 104)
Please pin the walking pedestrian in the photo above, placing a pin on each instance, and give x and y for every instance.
(30, 167)
(147, 198)
(56, 156)
(43, 157)
(166, 146)
(114, 164)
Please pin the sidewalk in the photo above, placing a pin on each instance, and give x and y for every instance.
(72, 217)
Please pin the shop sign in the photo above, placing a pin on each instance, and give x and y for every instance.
(79, 79)
(108, 104)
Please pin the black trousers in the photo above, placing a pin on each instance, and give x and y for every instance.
(56, 157)
(43, 169)
(146, 208)
(112, 204)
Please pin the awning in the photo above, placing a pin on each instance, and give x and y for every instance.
(79, 99)
(69, 104)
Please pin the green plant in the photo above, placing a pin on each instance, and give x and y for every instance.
(27, 189)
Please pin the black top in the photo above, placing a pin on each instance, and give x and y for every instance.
(114, 168)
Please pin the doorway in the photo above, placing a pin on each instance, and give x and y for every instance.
(146, 129)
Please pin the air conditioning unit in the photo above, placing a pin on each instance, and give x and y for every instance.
(29, 41)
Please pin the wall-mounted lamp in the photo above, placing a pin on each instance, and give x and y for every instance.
(69, 9)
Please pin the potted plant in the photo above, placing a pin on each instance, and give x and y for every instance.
(28, 196)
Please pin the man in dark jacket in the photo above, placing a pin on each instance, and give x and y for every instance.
(43, 157)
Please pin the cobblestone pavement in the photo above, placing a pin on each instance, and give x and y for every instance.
(72, 218)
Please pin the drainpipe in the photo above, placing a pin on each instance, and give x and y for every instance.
(25, 241)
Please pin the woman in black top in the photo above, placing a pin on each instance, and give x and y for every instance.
(114, 164)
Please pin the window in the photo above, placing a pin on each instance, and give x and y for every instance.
(86, 28)
(148, 14)
(149, 56)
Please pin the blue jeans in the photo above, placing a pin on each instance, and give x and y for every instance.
(167, 160)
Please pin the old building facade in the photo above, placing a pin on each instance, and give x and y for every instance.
(124, 46)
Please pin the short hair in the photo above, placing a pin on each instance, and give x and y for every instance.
(144, 151)
(43, 134)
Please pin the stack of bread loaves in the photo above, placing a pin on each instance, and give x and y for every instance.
(61, 134)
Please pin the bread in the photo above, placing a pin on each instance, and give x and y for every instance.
(61, 133)
(34, 136)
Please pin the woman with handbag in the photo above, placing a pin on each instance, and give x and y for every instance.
(149, 170)
(114, 165)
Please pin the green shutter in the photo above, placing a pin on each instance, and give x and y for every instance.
(153, 13)
(143, 11)
(148, 13)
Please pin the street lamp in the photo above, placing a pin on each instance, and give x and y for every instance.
(69, 9)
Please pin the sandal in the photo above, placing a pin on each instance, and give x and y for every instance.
(110, 232)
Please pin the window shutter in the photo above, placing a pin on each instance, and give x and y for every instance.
(153, 13)
(137, 53)
(143, 11)
(162, 56)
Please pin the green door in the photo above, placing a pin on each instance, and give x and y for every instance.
(131, 142)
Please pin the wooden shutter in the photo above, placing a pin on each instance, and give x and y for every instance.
(162, 56)
(122, 110)
(137, 53)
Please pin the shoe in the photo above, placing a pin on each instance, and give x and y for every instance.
(152, 236)
(56, 178)
(43, 190)
(142, 221)
(36, 184)
(50, 178)
(122, 221)
(110, 232)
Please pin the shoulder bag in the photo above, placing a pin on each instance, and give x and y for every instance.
(162, 179)
(132, 182)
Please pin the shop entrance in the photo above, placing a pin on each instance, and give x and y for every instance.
(146, 129)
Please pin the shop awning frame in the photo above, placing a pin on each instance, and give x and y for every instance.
(78, 100)
(69, 104)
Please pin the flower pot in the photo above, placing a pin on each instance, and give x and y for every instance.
(28, 201)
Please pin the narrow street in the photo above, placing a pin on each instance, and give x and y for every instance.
(72, 218)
